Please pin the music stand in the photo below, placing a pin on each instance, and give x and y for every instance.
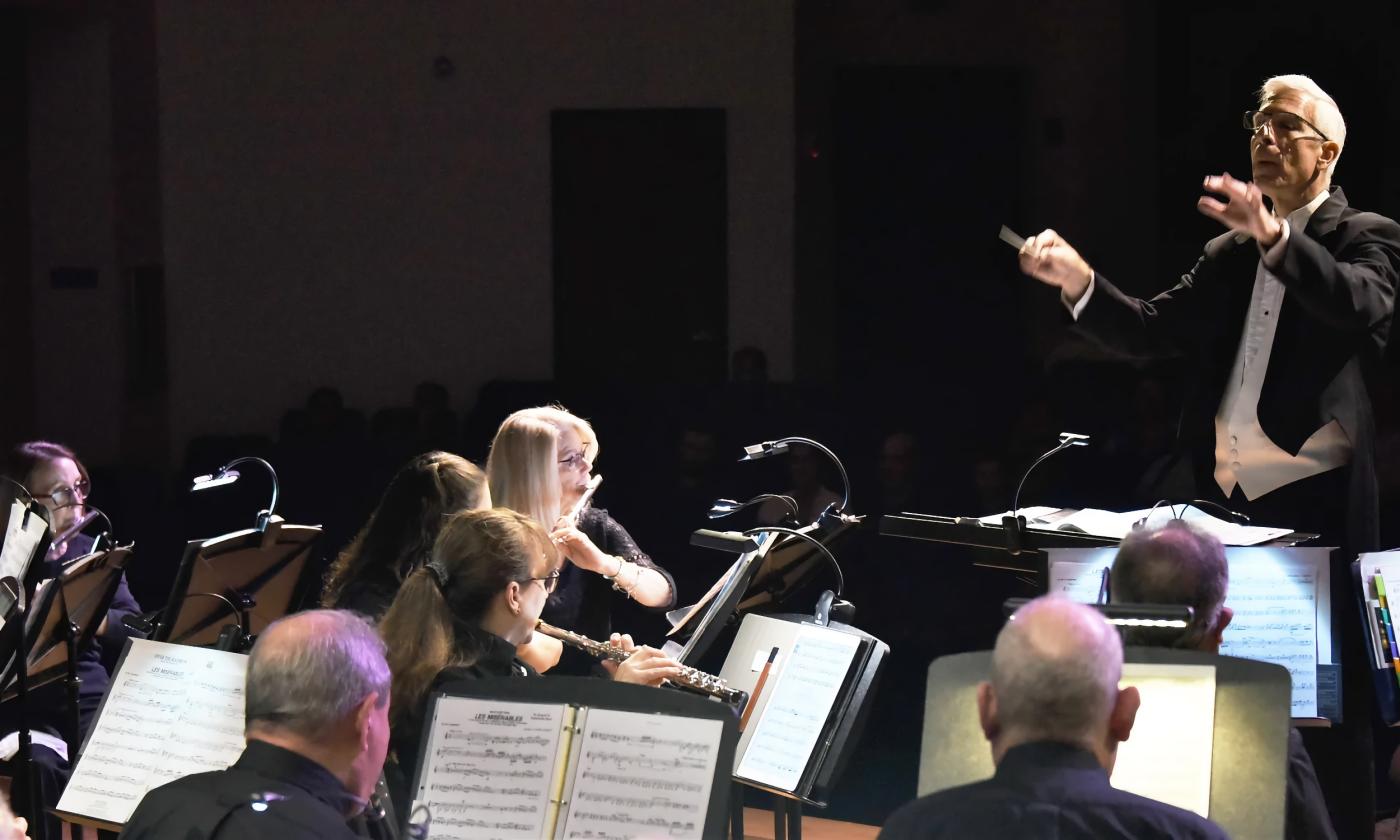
(758, 662)
(24, 538)
(245, 577)
(768, 576)
(1249, 737)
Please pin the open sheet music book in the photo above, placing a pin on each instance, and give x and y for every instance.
(171, 711)
(1282, 603)
(515, 770)
(1107, 523)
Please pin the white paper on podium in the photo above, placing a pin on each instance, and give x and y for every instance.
(1080, 579)
(1168, 755)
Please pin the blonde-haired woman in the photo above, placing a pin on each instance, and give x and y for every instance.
(540, 464)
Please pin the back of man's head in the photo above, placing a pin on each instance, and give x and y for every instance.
(1177, 563)
(1055, 676)
(309, 672)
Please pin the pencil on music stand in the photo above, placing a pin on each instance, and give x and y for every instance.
(757, 689)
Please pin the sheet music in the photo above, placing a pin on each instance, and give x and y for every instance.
(1274, 595)
(1080, 580)
(489, 767)
(792, 721)
(20, 542)
(1174, 728)
(642, 776)
(171, 711)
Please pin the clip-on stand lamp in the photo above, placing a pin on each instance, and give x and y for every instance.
(1015, 523)
(228, 475)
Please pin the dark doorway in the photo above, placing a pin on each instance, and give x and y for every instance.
(640, 245)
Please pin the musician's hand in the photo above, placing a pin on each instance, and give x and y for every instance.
(624, 643)
(647, 666)
(1243, 209)
(581, 551)
(1050, 259)
(541, 652)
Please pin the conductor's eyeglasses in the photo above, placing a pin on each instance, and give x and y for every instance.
(1282, 125)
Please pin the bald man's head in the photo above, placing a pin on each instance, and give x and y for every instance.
(1055, 676)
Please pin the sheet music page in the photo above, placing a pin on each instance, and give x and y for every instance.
(489, 767)
(1274, 594)
(1080, 580)
(642, 775)
(792, 721)
(1174, 729)
(20, 542)
(171, 711)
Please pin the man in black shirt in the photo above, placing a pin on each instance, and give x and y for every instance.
(1180, 564)
(1054, 715)
(317, 727)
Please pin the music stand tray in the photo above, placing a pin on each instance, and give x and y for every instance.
(246, 577)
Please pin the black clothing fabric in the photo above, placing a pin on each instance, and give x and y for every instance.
(583, 601)
(1044, 790)
(498, 659)
(303, 800)
(366, 599)
(1306, 816)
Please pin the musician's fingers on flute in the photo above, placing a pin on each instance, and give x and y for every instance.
(622, 641)
(647, 666)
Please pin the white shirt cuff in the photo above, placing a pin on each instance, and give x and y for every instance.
(1274, 255)
(1078, 306)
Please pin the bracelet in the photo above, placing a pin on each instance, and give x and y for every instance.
(626, 590)
(613, 577)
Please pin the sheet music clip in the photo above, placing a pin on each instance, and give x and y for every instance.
(1014, 528)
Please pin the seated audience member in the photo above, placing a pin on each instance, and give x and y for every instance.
(60, 482)
(464, 614)
(317, 724)
(1180, 564)
(400, 533)
(1054, 715)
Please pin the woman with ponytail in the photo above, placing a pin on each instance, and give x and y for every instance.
(464, 613)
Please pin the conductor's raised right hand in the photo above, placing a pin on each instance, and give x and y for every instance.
(1050, 259)
(647, 666)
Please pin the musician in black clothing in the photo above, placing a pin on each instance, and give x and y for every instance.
(400, 533)
(464, 614)
(540, 464)
(317, 724)
(60, 482)
(1054, 716)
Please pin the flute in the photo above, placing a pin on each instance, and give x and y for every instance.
(690, 678)
(588, 491)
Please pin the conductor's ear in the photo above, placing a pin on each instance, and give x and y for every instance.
(987, 714)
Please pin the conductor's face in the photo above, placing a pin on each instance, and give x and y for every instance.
(1286, 148)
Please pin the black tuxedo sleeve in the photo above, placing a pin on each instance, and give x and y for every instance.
(1351, 287)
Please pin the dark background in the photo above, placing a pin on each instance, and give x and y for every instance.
(820, 180)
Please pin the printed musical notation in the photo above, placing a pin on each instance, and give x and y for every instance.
(1274, 595)
(642, 775)
(792, 721)
(172, 710)
(492, 768)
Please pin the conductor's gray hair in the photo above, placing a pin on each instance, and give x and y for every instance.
(309, 671)
(1057, 689)
(1325, 113)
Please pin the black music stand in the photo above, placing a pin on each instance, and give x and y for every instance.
(766, 578)
(1249, 741)
(250, 578)
(64, 614)
(773, 638)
